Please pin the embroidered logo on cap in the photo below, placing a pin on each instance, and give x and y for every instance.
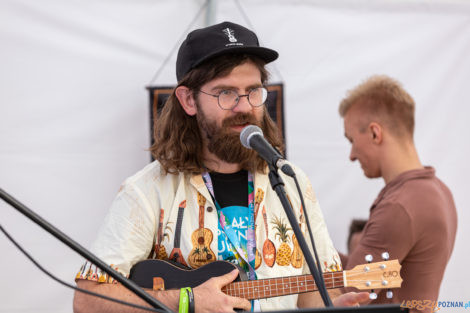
(231, 37)
(230, 34)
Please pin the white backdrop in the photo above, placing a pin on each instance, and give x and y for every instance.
(74, 110)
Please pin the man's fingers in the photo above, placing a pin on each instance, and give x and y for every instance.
(362, 297)
(241, 303)
(226, 279)
(357, 298)
(352, 299)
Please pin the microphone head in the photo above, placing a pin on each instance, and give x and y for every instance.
(246, 134)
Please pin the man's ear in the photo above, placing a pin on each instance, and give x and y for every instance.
(376, 132)
(186, 99)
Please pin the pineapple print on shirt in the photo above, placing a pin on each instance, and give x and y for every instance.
(284, 251)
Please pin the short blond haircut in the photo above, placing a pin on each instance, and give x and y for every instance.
(383, 99)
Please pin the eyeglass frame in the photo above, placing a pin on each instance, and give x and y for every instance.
(238, 97)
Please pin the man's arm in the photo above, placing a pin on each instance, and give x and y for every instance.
(389, 229)
(208, 297)
(313, 299)
(84, 303)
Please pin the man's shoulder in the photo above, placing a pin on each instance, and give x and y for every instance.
(422, 197)
(420, 186)
(423, 179)
(153, 174)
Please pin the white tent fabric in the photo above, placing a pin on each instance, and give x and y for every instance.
(74, 110)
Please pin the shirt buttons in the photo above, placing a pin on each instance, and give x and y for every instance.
(209, 209)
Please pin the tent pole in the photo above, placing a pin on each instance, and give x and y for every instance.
(210, 12)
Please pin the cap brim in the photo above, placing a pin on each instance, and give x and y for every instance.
(266, 54)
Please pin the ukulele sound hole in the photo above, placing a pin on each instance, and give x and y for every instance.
(200, 240)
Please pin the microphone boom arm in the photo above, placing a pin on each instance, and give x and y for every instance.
(129, 284)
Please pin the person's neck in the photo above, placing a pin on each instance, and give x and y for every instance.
(213, 163)
(400, 157)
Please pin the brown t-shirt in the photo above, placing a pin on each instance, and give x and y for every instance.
(414, 219)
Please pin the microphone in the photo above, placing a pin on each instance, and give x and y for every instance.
(252, 137)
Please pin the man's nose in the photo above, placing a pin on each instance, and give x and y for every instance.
(352, 156)
(243, 104)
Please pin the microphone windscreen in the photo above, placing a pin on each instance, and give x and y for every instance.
(247, 132)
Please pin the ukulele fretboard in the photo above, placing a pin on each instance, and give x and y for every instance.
(275, 287)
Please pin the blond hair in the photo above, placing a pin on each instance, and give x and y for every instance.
(383, 99)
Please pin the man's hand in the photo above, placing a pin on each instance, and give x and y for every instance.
(352, 299)
(208, 296)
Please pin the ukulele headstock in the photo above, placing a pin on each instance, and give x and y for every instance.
(377, 275)
(201, 200)
(259, 196)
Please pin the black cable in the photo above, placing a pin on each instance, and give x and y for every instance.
(311, 238)
(159, 70)
(69, 285)
(308, 223)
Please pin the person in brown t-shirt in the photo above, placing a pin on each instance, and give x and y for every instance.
(414, 217)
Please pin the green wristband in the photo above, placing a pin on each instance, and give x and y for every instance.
(184, 300)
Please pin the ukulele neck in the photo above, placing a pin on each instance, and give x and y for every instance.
(275, 287)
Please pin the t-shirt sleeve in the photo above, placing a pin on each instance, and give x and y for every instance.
(125, 237)
(389, 229)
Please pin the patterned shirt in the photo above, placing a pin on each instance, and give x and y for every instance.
(143, 221)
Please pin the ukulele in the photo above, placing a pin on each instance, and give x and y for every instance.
(160, 252)
(269, 249)
(201, 239)
(297, 257)
(161, 275)
(176, 255)
(258, 199)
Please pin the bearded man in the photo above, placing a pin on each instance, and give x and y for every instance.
(200, 200)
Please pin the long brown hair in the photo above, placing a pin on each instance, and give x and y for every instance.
(178, 142)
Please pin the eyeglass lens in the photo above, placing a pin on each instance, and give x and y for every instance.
(229, 98)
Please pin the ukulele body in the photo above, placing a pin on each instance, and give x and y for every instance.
(176, 276)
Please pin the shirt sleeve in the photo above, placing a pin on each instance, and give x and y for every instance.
(329, 258)
(389, 229)
(125, 237)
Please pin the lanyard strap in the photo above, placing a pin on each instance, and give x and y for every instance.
(226, 226)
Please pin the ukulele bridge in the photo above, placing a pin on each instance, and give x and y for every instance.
(158, 284)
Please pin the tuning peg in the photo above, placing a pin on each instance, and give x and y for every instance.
(369, 258)
(372, 295)
(385, 256)
(389, 294)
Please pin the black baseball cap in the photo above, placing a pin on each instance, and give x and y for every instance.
(224, 38)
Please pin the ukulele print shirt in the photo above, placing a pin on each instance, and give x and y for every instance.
(142, 222)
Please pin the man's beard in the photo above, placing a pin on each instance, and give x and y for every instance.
(225, 143)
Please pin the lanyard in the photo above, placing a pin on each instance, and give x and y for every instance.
(248, 257)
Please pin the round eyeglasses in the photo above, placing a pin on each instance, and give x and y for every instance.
(228, 99)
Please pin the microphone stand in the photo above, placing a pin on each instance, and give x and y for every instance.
(129, 284)
(278, 186)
